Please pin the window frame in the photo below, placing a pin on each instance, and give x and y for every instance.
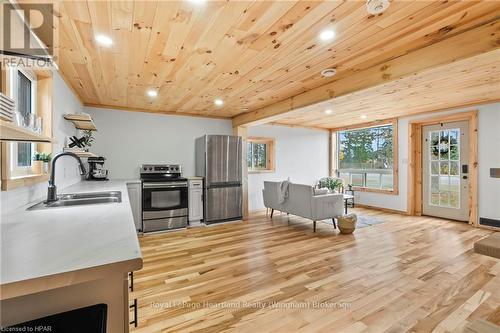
(336, 148)
(270, 154)
(15, 170)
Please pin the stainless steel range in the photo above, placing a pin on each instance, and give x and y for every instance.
(164, 197)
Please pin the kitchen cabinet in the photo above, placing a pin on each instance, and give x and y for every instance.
(195, 199)
(134, 190)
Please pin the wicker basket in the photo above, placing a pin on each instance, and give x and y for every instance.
(347, 223)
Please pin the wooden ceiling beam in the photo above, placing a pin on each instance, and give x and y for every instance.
(475, 41)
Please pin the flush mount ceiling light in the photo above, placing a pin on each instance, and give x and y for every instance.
(329, 111)
(218, 102)
(376, 7)
(152, 93)
(363, 116)
(327, 34)
(197, 2)
(329, 72)
(104, 40)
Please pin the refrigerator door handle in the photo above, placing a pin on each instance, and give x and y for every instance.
(219, 185)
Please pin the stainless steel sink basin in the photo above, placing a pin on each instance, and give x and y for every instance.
(80, 199)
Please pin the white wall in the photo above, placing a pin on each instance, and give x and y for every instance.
(129, 139)
(301, 155)
(64, 101)
(488, 157)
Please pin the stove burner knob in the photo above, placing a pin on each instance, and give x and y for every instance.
(150, 168)
(145, 168)
(176, 168)
(171, 168)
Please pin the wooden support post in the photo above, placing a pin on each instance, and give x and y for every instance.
(242, 131)
(332, 153)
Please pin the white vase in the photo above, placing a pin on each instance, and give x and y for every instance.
(45, 168)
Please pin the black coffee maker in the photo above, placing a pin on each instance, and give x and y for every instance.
(96, 168)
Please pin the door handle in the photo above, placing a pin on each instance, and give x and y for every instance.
(464, 177)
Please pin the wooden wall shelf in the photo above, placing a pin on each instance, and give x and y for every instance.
(12, 132)
(85, 154)
(81, 121)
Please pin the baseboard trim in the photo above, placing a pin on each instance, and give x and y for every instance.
(388, 210)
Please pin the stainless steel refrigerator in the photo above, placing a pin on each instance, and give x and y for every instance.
(218, 161)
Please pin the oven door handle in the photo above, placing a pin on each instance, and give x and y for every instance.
(164, 185)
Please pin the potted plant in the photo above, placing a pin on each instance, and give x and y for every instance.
(331, 183)
(45, 159)
(88, 137)
(37, 161)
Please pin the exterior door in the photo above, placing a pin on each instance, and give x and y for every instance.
(445, 170)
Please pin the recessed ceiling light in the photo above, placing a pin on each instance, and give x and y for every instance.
(104, 40)
(363, 116)
(327, 35)
(328, 72)
(328, 111)
(218, 102)
(198, 2)
(152, 93)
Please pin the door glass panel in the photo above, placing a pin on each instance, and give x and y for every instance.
(435, 168)
(434, 138)
(435, 199)
(444, 153)
(443, 199)
(444, 183)
(454, 137)
(454, 153)
(435, 184)
(455, 199)
(444, 169)
(455, 184)
(435, 153)
(453, 168)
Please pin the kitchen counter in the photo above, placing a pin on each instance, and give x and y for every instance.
(194, 178)
(55, 247)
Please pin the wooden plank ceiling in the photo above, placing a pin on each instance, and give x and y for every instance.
(251, 54)
(469, 81)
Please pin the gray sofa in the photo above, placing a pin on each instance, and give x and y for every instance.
(303, 202)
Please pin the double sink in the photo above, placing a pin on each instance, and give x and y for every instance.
(80, 199)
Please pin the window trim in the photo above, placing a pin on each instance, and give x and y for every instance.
(395, 151)
(270, 153)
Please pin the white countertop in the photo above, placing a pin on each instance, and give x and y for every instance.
(43, 243)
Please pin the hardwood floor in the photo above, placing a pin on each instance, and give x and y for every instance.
(409, 274)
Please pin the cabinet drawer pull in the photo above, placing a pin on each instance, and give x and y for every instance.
(134, 306)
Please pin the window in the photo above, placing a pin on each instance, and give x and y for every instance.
(260, 154)
(24, 93)
(367, 157)
(24, 152)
